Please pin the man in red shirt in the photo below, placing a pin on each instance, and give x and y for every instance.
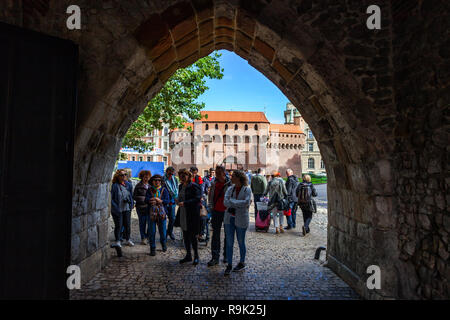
(215, 203)
(196, 177)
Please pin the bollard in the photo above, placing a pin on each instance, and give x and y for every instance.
(318, 250)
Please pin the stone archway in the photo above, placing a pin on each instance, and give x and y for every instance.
(353, 87)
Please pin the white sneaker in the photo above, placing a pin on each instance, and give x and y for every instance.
(116, 244)
(130, 243)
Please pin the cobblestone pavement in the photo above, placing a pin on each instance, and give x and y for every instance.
(279, 267)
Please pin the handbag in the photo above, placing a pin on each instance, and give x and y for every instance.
(283, 204)
(157, 213)
(287, 213)
(203, 211)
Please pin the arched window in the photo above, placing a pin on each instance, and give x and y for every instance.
(140, 158)
(247, 139)
(207, 127)
(216, 126)
(236, 127)
(311, 163)
(322, 165)
(226, 127)
(133, 158)
(246, 127)
(256, 127)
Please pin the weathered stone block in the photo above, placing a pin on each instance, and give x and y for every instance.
(284, 72)
(165, 60)
(92, 239)
(245, 23)
(244, 41)
(166, 74)
(222, 31)
(187, 49)
(264, 49)
(154, 34)
(184, 28)
(189, 60)
(206, 28)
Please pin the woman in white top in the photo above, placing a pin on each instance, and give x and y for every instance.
(237, 199)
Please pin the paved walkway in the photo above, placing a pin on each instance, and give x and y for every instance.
(279, 267)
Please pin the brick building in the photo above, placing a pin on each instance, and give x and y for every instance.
(160, 151)
(311, 158)
(238, 140)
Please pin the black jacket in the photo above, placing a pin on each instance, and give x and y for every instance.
(193, 195)
(291, 187)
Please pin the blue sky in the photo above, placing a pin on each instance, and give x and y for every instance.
(243, 88)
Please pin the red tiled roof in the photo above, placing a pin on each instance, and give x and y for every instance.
(234, 116)
(186, 126)
(285, 128)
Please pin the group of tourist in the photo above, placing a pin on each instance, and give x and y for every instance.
(220, 198)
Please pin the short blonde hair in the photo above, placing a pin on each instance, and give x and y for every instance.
(307, 178)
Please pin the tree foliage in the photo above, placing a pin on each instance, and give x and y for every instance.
(176, 103)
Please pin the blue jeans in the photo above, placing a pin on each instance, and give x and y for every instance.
(230, 229)
(171, 217)
(143, 222)
(293, 217)
(161, 229)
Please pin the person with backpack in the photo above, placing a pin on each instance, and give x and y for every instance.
(305, 193)
(258, 185)
(277, 200)
(217, 208)
(291, 187)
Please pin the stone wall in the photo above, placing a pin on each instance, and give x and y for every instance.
(422, 76)
(376, 100)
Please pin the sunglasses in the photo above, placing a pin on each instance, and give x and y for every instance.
(123, 174)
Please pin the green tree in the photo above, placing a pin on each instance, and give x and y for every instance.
(176, 103)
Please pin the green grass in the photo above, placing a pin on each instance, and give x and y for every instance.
(314, 179)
